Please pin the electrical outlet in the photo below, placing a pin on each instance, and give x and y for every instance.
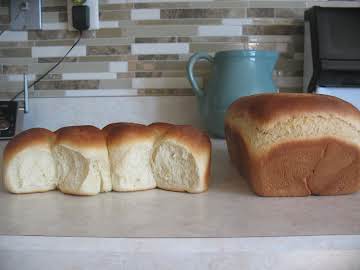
(25, 15)
(94, 14)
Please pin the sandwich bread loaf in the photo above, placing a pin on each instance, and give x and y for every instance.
(295, 144)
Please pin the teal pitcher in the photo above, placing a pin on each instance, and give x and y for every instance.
(234, 74)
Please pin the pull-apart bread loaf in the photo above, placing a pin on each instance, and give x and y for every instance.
(295, 144)
(130, 148)
(181, 158)
(82, 160)
(28, 164)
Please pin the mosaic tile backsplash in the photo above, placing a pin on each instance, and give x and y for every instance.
(143, 45)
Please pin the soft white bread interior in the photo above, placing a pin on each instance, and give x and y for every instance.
(130, 147)
(28, 164)
(82, 160)
(181, 159)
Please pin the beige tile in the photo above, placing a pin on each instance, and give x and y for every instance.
(77, 67)
(179, 22)
(260, 12)
(158, 57)
(277, 4)
(115, 84)
(109, 33)
(17, 60)
(108, 41)
(165, 92)
(155, 39)
(113, 7)
(161, 31)
(107, 58)
(272, 29)
(58, 34)
(56, 59)
(201, 13)
(49, 85)
(18, 52)
(297, 13)
(214, 47)
(108, 50)
(23, 44)
(15, 69)
(114, 15)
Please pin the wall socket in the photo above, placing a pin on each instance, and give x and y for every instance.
(25, 15)
(94, 14)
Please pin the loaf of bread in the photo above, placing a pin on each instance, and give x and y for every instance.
(130, 148)
(82, 160)
(181, 158)
(295, 144)
(28, 163)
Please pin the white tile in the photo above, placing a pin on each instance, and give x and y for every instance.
(161, 83)
(118, 66)
(160, 48)
(57, 51)
(14, 36)
(54, 26)
(109, 24)
(89, 76)
(241, 21)
(219, 30)
(145, 14)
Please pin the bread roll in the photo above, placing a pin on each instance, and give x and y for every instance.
(130, 147)
(180, 160)
(295, 144)
(82, 160)
(28, 164)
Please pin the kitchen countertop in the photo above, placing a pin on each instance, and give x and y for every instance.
(229, 209)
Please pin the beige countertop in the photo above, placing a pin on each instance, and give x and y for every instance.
(228, 209)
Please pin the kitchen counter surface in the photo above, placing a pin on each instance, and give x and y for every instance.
(229, 209)
(226, 228)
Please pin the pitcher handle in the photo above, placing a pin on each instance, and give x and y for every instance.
(190, 67)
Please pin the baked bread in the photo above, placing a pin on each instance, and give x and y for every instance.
(130, 147)
(295, 144)
(160, 128)
(181, 159)
(82, 160)
(107, 129)
(28, 164)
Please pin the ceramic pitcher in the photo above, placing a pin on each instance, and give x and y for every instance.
(234, 74)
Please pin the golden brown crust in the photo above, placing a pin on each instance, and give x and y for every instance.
(30, 137)
(264, 108)
(326, 166)
(129, 133)
(81, 136)
(107, 129)
(194, 138)
(160, 128)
